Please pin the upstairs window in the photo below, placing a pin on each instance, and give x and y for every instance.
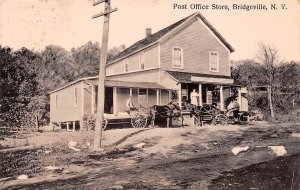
(142, 61)
(75, 96)
(177, 57)
(109, 70)
(126, 66)
(214, 61)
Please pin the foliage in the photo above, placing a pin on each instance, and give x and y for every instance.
(282, 77)
(28, 76)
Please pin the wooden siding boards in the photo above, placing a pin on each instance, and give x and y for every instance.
(151, 57)
(133, 61)
(87, 90)
(66, 110)
(141, 76)
(196, 42)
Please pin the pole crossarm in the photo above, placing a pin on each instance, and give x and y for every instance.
(98, 2)
(104, 13)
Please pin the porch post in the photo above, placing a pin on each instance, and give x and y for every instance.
(130, 91)
(221, 98)
(59, 126)
(74, 126)
(68, 126)
(93, 100)
(82, 98)
(157, 97)
(240, 97)
(179, 96)
(115, 100)
(200, 95)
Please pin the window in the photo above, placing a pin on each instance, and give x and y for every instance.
(177, 57)
(126, 66)
(142, 95)
(56, 99)
(75, 96)
(142, 61)
(109, 70)
(214, 61)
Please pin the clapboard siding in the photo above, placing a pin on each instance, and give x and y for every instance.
(66, 109)
(196, 42)
(141, 76)
(133, 61)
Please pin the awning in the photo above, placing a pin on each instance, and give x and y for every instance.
(129, 84)
(184, 77)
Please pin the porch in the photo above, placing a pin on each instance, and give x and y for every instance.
(211, 90)
(145, 94)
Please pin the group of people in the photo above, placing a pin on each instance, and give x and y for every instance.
(233, 107)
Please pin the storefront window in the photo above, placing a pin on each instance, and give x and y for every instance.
(142, 95)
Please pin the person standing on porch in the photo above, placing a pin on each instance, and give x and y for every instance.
(194, 98)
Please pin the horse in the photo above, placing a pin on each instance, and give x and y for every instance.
(160, 113)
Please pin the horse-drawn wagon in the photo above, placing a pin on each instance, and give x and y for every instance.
(142, 117)
(211, 114)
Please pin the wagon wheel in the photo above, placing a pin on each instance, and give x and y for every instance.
(91, 123)
(178, 120)
(220, 119)
(139, 121)
(244, 119)
(104, 124)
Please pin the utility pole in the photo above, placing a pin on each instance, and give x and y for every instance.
(102, 64)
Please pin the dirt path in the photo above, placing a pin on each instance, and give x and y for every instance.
(180, 158)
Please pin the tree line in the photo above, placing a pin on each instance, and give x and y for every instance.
(27, 76)
(273, 84)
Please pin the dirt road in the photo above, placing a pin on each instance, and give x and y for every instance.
(175, 158)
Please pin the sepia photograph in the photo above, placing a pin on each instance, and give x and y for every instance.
(150, 94)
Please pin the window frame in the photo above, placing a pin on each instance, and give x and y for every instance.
(56, 101)
(75, 96)
(218, 61)
(139, 100)
(109, 70)
(126, 69)
(173, 58)
(142, 57)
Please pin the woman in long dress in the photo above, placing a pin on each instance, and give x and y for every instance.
(194, 98)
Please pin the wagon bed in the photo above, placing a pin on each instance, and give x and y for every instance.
(136, 119)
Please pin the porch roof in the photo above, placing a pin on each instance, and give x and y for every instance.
(129, 84)
(184, 77)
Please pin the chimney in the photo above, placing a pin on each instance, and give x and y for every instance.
(148, 32)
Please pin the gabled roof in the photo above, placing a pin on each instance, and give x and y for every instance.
(153, 38)
(74, 82)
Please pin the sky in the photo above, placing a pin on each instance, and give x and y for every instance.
(35, 24)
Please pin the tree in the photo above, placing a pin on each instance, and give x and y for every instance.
(18, 85)
(86, 59)
(268, 59)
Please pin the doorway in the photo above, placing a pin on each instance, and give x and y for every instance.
(108, 103)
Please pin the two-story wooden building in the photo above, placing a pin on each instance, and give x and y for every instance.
(169, 64)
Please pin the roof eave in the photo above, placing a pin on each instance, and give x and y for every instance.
(71, 83)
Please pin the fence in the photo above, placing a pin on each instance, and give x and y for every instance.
(18, 129)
